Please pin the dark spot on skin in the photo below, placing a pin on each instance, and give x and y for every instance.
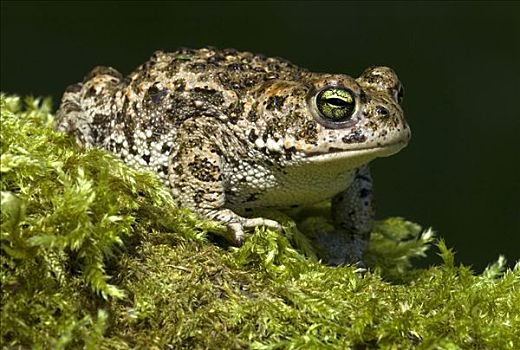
(249, 82)
(199, 196)
(100, 120)
(365, 192)
(273, 67)
(204, 91)
(219, 153)
(204, 170)
(180, 85)
(238, 80)
(146, 158)
(273, 158)
(355, 136)
(242, 180)
(234, 112)
(275, 102)
(252, 116)
(216, 58)
(155, 55)
(165, 149)
(224, 78)
(236, 67)
(150, 64)
(364, 178)
(210, 96)
(289, 152)
(94, 133)
(177, 169)
(363, 97)
(91, 92)
(182, 106)
(155, 95)
(252, 136)
(382, 111)
(373, 125)
(270, 162)
(309, 132)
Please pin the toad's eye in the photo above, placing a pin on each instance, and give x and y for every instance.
(335, 104)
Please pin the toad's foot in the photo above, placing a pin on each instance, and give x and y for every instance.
(237, 228)
(237, 225)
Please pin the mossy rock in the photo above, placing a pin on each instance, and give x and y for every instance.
(96, 255)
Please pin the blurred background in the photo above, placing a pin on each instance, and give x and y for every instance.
(459, 62)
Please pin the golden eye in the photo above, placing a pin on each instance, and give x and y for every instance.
(335, 104)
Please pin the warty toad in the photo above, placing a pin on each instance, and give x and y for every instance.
(232, 131)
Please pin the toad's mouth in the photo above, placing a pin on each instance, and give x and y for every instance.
(361, 154)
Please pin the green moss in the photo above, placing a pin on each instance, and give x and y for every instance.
(96, 255)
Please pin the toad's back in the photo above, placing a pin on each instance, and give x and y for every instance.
(137, 117)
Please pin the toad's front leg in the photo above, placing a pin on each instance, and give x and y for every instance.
(198, 182)
(352, 214)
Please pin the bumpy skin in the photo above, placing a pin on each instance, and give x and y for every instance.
(231, 131)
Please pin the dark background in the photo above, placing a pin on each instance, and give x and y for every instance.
(459, 62)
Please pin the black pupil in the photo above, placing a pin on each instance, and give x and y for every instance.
(337, 102)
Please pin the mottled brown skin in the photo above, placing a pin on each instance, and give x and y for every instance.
(231, 131)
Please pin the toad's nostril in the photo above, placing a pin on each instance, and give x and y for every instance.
(382, 111)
